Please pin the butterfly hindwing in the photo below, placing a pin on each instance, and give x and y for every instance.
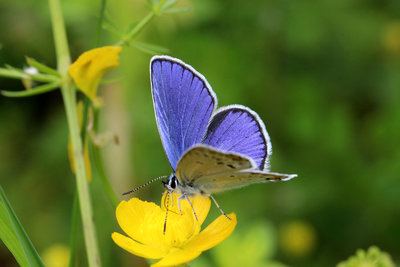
(209, 170)
(226, 181)
(201, 160)
(238, 129)
(183, 104)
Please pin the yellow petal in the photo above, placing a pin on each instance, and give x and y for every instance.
(141, 220)
(177, 257)
(214, 234)
(136, 248)
(90, 67)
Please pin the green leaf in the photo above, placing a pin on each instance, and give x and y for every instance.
(150, 3)
(11, 68)
(35, 91)
(14, 237)
(41, 67)
(149, 48)
(73, 231)
(168, 4)
(109, 25)
(14, 73)
(176, 10)
(111, 29)
(9, 73)
(130, 27)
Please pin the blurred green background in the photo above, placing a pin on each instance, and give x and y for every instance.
(323, 75)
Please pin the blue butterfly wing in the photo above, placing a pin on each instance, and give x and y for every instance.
(183, 104)
(238, 129)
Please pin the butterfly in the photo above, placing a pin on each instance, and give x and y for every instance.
(210, 149)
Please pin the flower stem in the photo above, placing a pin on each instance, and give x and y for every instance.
(69, 97)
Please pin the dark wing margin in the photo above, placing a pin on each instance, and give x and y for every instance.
(183, 103)
(238, 129)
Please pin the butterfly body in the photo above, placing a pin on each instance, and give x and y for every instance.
(210, 149)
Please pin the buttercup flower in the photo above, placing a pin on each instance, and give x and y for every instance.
(182, 242)
(90, 67)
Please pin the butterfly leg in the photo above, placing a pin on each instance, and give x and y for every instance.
(216, 204)
(190, 202)
(179, 202)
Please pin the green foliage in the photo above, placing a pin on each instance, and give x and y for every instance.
(373, 257)
(254, 245)
(14, 237)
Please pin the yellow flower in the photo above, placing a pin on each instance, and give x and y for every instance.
(56, 256)
(90, 67)
(182, 242)
(298, 238)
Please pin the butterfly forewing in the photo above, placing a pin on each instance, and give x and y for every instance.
(202, 161)
(238, 129)
(209, 150)
(183, 104)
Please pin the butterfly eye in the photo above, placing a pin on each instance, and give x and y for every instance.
(173, 182)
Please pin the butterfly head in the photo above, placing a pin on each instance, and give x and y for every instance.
(172, 183)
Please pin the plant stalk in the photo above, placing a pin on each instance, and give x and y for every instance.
(69, 97)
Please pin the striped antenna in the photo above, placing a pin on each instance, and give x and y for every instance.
(149, 182)
(166, 212)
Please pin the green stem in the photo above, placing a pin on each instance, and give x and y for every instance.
(69, 97)
(60, 37)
